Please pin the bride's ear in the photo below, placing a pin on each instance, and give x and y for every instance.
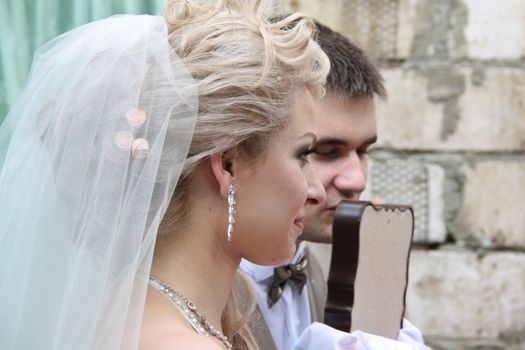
(222, 166)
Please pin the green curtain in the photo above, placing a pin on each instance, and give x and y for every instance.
(27, 24)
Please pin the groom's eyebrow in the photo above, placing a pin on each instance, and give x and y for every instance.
(337, 141)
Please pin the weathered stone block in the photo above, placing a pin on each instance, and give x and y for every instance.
(461, 294)
(453, 109)
(461, 29)
(407, 120)
(492, 209)
(494, 29)
(428, 29)
(441, 343)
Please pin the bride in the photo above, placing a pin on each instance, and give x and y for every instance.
(145, 158)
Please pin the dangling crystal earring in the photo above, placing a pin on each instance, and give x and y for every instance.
(231, 212)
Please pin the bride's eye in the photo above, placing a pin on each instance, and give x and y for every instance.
(303, 155)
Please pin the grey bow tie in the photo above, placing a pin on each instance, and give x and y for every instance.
(281, 275)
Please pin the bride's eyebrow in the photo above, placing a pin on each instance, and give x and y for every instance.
(309, 135)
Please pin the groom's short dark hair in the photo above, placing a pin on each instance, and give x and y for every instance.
(351, 71)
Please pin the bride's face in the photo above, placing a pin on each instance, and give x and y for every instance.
(271, 193)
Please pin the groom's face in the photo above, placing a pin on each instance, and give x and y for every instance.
(345, 129)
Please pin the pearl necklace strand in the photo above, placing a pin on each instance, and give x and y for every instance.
(188, 309)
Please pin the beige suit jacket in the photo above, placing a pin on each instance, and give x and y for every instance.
(317, 291)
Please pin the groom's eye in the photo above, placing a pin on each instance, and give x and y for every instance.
(326, 151)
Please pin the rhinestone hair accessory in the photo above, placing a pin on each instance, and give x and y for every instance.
(140, 148)
(231, 212)
(136, 117)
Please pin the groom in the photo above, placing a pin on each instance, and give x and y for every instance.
(345, 127)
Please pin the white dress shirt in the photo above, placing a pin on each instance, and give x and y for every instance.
(319, 336)
(290, 315)
(290, 323)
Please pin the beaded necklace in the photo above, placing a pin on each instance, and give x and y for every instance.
(189, 310)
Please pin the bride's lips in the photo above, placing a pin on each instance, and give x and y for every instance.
(299, 223)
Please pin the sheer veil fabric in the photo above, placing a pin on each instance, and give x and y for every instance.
(95, 146)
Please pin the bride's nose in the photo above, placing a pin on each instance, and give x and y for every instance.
(316, 193)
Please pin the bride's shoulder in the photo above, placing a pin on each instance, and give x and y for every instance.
(179, 339)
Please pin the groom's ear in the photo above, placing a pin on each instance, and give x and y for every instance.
(222, 167)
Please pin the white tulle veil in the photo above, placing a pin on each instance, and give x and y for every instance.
(91, 153)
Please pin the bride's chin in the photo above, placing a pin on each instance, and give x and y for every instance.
(278, 259)
(291, 252)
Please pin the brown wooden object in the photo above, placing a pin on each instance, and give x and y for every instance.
(369, 267)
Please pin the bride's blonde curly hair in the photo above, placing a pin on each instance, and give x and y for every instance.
(246, 69)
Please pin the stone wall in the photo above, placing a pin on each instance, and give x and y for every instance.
(452, 144)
